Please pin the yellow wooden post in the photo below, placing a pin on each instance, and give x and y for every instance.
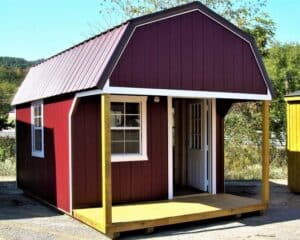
(106, 160)
(265, 153)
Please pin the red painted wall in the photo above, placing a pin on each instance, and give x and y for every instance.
(190, 52)
(146, 180)
(131, 181)
(46, 178)
(86, 152)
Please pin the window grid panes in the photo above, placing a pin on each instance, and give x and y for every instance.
(195, 141)
(125, 128)
(37, 128)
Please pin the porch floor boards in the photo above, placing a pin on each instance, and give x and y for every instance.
(185, 209)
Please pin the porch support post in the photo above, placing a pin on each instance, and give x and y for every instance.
(106, 160)
(265, 153)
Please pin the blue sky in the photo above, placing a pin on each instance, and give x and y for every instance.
(34, 29)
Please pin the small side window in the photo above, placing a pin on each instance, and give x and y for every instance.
(37, 129)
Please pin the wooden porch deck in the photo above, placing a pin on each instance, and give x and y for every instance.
(152, 214)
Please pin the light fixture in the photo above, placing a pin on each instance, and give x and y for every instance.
(156, 99)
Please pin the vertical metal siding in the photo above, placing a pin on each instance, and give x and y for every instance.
(190, 52)
(293, 126)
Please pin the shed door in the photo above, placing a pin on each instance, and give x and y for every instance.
(196, 161)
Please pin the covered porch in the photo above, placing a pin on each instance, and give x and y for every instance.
(113, 219)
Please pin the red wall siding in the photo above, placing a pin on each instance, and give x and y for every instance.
(86, 152)
(47, 178)
(146, 180)
(190, 52)
(131, 181)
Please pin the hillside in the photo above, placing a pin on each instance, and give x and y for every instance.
(12, 72)
(12, 62)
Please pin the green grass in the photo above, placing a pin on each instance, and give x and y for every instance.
(244, 162)
(7, 156)
(8, 168)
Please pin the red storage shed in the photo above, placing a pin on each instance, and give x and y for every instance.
(126, 129)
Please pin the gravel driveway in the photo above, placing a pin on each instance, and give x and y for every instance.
(24, 218)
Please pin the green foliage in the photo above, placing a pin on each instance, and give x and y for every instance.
(7, 156)
(7, 148)
(12, 72)
(283, 66)
(243, 140)
(12, 62)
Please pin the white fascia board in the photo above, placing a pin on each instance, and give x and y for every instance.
(183, 93)
(88, 93)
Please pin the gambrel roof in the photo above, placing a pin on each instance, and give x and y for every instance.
(88, 65)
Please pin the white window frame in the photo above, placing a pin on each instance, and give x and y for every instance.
(128, 157)
(37, 153)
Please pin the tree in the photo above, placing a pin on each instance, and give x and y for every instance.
(247, 14)
(10, 79)
(283, 66)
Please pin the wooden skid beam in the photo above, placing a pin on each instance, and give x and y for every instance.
(265, 153)
(106, 160)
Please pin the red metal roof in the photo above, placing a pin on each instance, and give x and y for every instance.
(74, 69)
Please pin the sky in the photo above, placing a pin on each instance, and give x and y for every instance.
(34, 29)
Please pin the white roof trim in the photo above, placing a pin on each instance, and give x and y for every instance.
(183, 93)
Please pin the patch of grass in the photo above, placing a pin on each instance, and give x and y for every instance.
(8, 168)
(244, 162)
(7, 156)
(253, 172)
(243, 145)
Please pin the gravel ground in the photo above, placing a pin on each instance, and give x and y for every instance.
(24, 218)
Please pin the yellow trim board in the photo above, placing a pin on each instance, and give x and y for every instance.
(292, 98)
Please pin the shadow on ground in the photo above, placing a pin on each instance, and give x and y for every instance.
(284, 206)
(15, 205)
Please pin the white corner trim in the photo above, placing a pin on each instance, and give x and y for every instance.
(183, 93)
(213, 147)
(170, 149)
(72, 108)
(74, 103)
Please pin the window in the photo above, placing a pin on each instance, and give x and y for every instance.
(128, 128)
(195, 126)
(37, 129)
